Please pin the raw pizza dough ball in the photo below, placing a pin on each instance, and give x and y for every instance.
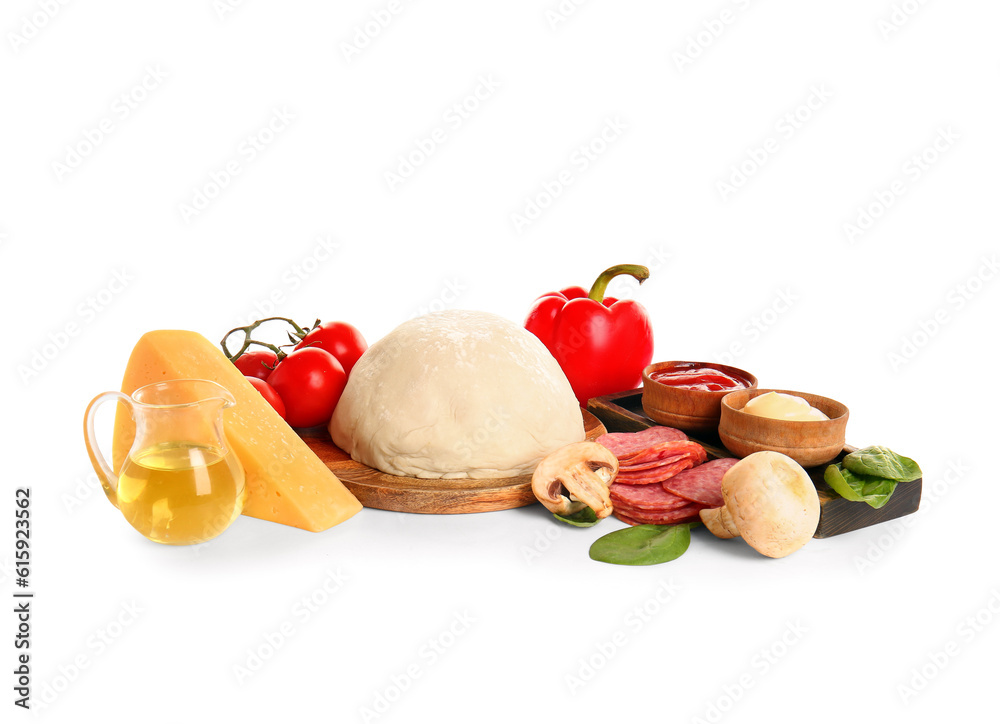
(456, 394)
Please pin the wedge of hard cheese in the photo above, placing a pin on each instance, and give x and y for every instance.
(286, 482)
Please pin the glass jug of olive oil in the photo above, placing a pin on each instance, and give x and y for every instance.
(180, 483)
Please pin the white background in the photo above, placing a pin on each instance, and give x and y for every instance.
(127, 629)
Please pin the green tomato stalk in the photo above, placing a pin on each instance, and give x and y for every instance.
(294, 337)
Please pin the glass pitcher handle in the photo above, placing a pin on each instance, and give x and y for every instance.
(107, 476)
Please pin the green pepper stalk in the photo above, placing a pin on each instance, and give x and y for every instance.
(600, 287)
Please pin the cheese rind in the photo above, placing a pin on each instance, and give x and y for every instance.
(285, 481)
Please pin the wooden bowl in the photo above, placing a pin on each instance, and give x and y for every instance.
(688, 410)
(808, 443)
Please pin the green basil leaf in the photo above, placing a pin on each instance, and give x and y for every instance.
(869, 489)
(583, 518)
(834, 477)
(883, 463)
(642, 545)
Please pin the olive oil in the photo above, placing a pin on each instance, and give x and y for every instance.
(180, 493)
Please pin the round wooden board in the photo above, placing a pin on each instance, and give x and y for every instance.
(376, 489)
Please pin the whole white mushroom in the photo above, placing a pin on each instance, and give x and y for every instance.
(770, 502)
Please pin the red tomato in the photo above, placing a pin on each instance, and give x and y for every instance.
(310, 382)
(269, 394)
(252, 363)
(340, 339)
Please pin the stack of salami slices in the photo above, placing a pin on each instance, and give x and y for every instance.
(663, 478)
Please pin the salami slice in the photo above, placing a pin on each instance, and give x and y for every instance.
(625, 519)
(652, 497)
(664, 450)
(639, 467)
(670, 517)
(701, 484)
(662, 517)
(626, 443)
(655, 475)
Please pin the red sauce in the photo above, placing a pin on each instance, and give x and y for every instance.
(699, 376)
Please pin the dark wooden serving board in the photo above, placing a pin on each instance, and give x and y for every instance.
(622, 412)
(376, 489)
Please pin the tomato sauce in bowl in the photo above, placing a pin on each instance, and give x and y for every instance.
(700, 376)
(688, 395)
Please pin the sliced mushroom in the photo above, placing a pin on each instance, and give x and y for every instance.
(770, 502)
(576, 477)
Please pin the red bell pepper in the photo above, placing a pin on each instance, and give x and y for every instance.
(601, 343)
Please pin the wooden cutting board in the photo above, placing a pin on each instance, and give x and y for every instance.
(376, 489)
(622, 412)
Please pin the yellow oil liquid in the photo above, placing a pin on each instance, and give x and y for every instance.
(181, 493)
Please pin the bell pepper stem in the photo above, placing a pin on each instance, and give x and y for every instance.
(600, 286)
